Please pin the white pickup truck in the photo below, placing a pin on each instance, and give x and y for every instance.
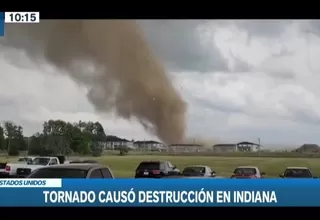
(10, 169)
(37, 162)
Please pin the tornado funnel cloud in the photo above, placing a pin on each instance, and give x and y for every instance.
(126, 77)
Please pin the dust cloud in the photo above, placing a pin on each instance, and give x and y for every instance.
(113, 60)
(204, 142)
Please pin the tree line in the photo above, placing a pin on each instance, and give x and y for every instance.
(57, 138)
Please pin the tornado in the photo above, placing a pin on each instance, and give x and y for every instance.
(113, 60)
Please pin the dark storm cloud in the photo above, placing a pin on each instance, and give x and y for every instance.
(264, 28)
(180, 45)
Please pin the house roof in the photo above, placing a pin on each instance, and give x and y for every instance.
(309, 147)
(247, 143)
(234, 145)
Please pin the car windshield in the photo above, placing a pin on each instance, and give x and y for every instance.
(58, 173)
(24, 159)
(245, 171)
(39, 161)
(149, 166)
(194, 170)
(299, 173)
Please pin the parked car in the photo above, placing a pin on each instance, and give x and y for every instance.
(198, 170)
(297, 172)
(77, 170)
(193, 177)
(156, 169)
(10, 169)
(3, 172)
(25, 169)
(247, 172)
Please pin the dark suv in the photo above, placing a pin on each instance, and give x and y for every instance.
(156, 169)
(297, 172)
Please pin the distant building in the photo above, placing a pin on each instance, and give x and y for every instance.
(224, 148)
(185, 148)
(114, 143)
(150, 145)
(308, 148)
(239, 147)
(247, 147)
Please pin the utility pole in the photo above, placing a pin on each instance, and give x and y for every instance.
(28, 146)
(8, 150)
(259, 146)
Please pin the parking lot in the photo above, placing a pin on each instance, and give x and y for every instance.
(124, 166)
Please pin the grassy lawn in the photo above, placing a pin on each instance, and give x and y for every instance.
(124, 166)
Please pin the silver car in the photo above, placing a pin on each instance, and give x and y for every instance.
(198, 171)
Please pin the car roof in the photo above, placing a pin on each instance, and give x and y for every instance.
(247, 167)
(82, 166)
(153, 161)
(197, 166)
(44, 157)
(194, 177)
(298, 168)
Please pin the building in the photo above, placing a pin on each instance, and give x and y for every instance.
(114, 143)
(150, 145)
(308, 148)
(239, 147)
(179, 148)
(247, 147)
(224, 148)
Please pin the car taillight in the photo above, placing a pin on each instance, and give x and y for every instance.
(8, 168)
(156, 171)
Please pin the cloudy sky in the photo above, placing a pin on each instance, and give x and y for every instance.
(242, 80)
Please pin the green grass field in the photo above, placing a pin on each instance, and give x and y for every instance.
(124, 166)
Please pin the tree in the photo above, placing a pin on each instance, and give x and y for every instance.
(99, 137)
(80, 142)
(36, 145)
(123, 150)
(92, 137)
(96, 150)
(2, 140)
(14, 134)
(21, 142)
(57, 137)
